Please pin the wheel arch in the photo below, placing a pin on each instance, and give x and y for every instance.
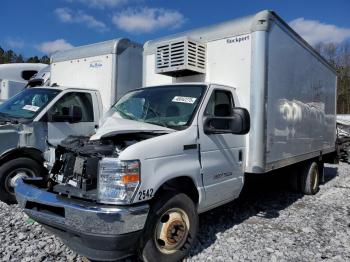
(28, 152)
(183, 184)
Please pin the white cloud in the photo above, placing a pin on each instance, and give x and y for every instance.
(101, 4)
(315, 32)
(14, 42)
(54, 46)
(66, 15)
(143, 20)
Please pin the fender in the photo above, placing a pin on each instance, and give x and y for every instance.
(29, 152)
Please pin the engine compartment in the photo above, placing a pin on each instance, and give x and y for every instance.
(75, 171)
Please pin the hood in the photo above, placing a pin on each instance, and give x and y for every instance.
(114, 125)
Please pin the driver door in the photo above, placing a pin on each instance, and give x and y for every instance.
(57, 131)
(221, 154)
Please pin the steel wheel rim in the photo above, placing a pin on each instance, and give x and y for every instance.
(171, 230)
(15, 174)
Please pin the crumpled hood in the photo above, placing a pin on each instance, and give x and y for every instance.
(114, 125)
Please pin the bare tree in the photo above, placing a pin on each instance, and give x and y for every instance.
(339, 56)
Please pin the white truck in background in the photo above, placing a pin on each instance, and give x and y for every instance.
(85, 82)
(245, 96)
(42, 78)
(14, 77)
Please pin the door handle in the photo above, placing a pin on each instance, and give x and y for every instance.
(191, 146)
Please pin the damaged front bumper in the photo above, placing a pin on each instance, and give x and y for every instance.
(99, 232)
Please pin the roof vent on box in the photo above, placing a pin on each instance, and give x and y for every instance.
(180, 57)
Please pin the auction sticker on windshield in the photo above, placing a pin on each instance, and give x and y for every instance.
(184, 99)
(31, 108)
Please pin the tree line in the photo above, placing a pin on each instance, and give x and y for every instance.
(10, 56)
(338, 55)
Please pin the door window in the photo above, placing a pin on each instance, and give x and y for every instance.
(220, 105)
(82, 100)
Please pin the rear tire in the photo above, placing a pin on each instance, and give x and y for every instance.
(310, 179)
(170, 230)
(17, 167)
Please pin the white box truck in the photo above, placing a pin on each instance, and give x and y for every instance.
(14, 77)
(245, 96)
(9, 88)
(43, 115)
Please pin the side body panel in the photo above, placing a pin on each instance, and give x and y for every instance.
(91, 73)
(301, 97)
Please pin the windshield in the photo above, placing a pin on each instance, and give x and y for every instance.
(28, 103)
(170, 106)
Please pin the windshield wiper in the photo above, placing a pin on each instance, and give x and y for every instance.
(7, 118)
(156, 123)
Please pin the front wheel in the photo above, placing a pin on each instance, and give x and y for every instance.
(13, 169)
(170, 230)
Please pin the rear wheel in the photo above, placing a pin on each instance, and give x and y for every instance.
(13, 169)
(171, 228)
(310, 179)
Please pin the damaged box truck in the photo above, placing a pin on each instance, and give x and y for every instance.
(245, 96)
(85, 82)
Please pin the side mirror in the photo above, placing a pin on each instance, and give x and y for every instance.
(73, 114)
(238, 123)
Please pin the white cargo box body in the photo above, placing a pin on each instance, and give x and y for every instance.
(288, 88)
(113, 67)
(9, 88)
(20, 72)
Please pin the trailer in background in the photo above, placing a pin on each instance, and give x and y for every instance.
(14, 77)
(113, 67)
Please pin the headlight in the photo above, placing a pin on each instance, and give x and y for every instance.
(117, 180)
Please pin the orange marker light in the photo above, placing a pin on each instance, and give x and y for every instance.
(130, 178)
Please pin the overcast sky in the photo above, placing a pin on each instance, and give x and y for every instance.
(40, 27)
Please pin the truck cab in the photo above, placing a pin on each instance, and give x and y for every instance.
(36, 117)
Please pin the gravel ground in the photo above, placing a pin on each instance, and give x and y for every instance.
(266, 223)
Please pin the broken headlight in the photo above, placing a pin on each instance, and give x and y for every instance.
(117, 180)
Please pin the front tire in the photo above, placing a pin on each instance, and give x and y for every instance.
(170, 230)
(19, 167)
